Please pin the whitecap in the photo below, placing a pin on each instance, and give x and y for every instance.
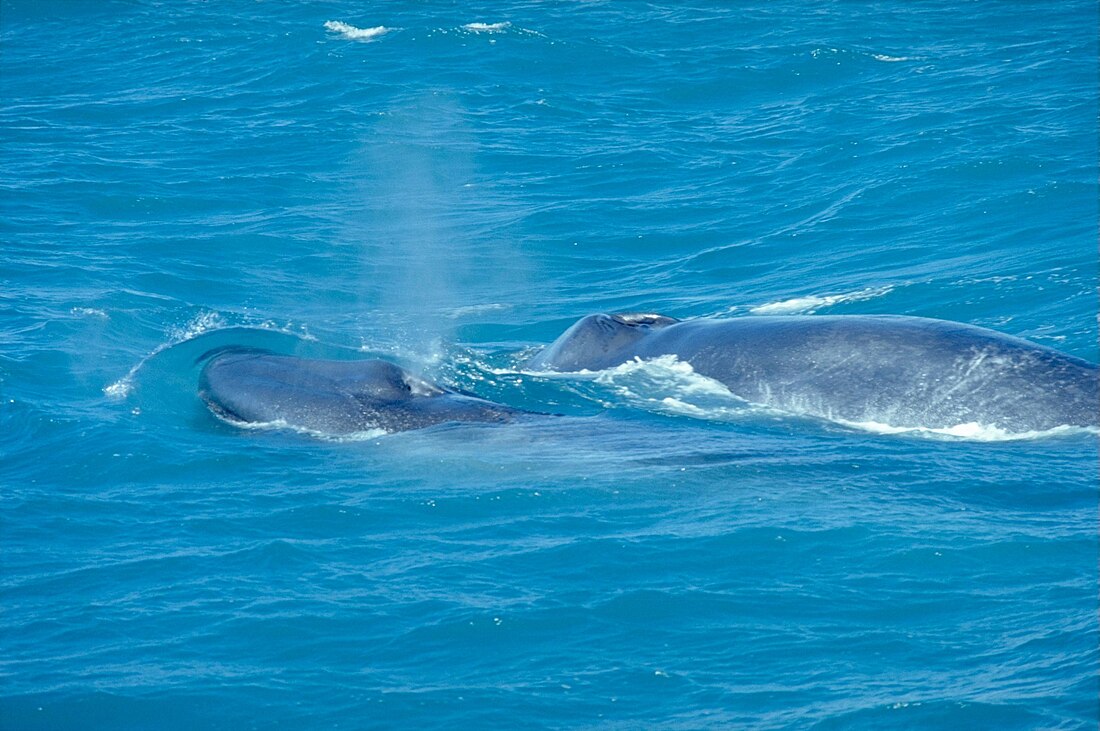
(356, 34)
(891, 59)
(487, 27)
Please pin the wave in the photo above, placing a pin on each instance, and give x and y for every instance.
(204, 322)
(356, 34)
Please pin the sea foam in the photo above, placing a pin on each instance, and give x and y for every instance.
(970, 431)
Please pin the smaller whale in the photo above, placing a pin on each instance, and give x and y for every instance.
(908, 372)
(332, 397)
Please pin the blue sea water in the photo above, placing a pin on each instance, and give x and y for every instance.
(450, 185)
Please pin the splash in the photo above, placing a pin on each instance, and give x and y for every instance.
(121, 388)
(203, 322)
(200, 323)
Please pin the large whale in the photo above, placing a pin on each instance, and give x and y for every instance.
(907, 372)
(333, 397)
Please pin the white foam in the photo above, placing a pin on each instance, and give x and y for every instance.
(121, 388)
(487, 27)
(972, 431)
(665, 384)
(282, 425)
(812, 303)
(356, 34)
(669, 385)
(668, 368)
(678, 406)
(891, 59)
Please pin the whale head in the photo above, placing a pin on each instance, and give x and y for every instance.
(332, 397)
(596, 342)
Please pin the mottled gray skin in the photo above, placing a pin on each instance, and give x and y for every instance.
(331, 396)
(901, 371)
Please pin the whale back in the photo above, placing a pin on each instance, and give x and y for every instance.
(907, 372)
(900, 371)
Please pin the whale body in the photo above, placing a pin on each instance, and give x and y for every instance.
(332, 397)
(907, 372)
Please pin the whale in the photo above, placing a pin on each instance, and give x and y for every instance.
(246, 386)
(895, 370)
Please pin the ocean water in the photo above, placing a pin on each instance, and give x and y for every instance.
(450, 185)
